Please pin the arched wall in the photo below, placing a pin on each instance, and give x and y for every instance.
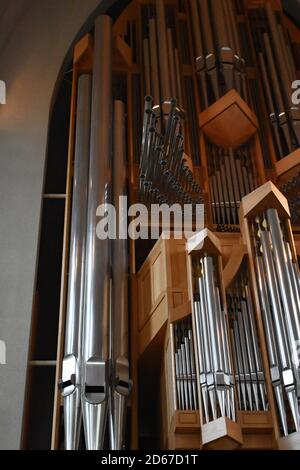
(30, 63)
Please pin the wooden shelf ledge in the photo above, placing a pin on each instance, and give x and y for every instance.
(257, 430)
(185, 431)
(222, 434)
(186, 422)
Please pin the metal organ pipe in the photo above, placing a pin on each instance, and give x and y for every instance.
(119, 317)
(207, 30)
(270, 103)
(154, 61)
(210, 56)
(97, 305)
(178, 79)
(173, 82)
(232, 30)
(163, 51)
(71, 366)
(147, 66)
(218, 14)
(288, 64)
(196, 30)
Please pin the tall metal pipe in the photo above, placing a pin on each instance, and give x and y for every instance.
(206, 25)
(147, 66)
(154, 62)
(173, 83)
(70, 383)
(196, 28)
(163, 51)
(121, 384)
(270, 102)
(228, 25)
(178, 78)
(282, 116)
(286, 57)
(210, 54)
(97, 305)
(220, 25)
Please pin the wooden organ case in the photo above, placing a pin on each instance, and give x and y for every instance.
(228, 66)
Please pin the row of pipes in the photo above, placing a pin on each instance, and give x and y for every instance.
(212, 343)
(278, 72)
(248, 366)
(165, 177)
(185, 368)
(278, 281)
(219, 61)
(231, 177)
(95, 370)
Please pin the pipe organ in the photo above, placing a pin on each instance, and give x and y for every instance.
(183, 102)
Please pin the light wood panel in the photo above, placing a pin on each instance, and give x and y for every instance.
(229, 122)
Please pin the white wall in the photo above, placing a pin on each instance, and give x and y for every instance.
(30, 62)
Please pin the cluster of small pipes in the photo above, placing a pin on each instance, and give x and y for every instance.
(185, 369)
(219, 60)
(212, 343)
(165, 177)
(231, 177)
(249, 373)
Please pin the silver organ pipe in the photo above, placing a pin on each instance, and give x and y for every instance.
(185, 369)
(119, 317)
(97, 305)
(71, 367)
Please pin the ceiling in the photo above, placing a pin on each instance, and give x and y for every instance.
(10, 12)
